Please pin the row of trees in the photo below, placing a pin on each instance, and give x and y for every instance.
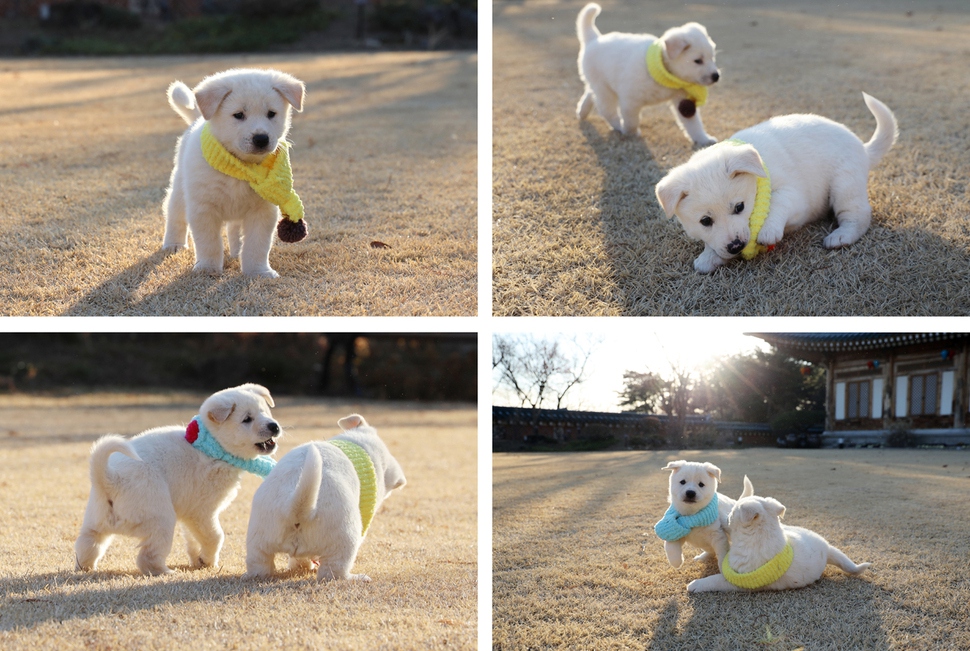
(756, 387)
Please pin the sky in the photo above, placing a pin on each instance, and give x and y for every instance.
(652, 349)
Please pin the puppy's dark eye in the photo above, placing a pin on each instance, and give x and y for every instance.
(706, 221)
(739, 208)
(683, 481)
(699, 61)
(248, 419)
(239, 116)
(701, 484)
(271, 115)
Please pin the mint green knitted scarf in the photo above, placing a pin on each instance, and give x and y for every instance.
(674, 526)
(202, 440)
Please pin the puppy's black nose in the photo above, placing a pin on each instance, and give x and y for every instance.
(261, 140)
(690, 495)
(715, 77)
(273, 428)
(735, 247)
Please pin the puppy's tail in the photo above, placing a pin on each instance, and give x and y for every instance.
(748, 489)
(182, 99)
(838, 558)
(586, 25)
(308, 487)
(886, 130)
(103, 448)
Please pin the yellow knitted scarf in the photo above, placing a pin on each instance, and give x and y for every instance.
(368, 479)
(272, 179)
(762, 201)
(764, 575)
(660, 74)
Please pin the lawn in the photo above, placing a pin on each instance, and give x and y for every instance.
(576, 563)
(577, 229)
(420, 551)
(384, 151)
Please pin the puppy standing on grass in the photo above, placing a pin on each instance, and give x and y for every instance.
(743, 195)
(232, 168)
(698, 514)
(318, 502)
(615, 69)
(168, 474)
(767, 555)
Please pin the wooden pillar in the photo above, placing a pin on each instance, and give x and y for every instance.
(960, 390)
(830, 394)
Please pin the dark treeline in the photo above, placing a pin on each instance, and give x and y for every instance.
(375, 366)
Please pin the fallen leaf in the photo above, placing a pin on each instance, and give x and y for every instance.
(377, 244)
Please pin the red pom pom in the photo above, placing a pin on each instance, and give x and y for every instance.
(192, 432)
(771, 247)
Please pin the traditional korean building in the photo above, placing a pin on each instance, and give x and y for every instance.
(889, 387)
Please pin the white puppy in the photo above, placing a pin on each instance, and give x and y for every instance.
(814, 165)
(614, 68)
(758, 537)
(698, 514)
(317, 503)
(168, 474)
(248, 112)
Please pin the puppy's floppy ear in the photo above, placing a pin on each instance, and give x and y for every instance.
(774, 507)
(670, 192)
(351, 422)
(220, 409)
(675, 43)
(713, 471)
(674, 465)
(210, 94)
(745, 160)
(291, 88)
(260, 391)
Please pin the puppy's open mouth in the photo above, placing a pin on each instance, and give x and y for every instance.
(267, 446)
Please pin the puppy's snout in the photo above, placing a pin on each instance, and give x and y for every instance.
(273, 428)
(690, 495)
(715, 77)
(260, 140)
(735, 247)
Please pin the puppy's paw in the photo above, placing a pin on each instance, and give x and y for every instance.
(174, 248)
(840, 237)
(707, 262)
(706, 141)
(771, 233)
(703, 556)
(268, 273)
(359, 577)
(692, 586)
(257, 575)
(207, 269)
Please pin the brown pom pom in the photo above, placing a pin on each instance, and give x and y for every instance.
(291, 231)
(687, 108)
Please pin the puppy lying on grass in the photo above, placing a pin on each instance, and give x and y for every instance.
(745, 194)
(767, 555)
(698, 514)
(142, 486)
(318, 502)
(620, 83)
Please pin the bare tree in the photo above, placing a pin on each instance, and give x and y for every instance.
(537, 371)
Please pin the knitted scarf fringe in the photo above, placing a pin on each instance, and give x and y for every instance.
(674, 526)
(660, 74)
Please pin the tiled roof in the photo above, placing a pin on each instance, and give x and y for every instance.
(842, 341)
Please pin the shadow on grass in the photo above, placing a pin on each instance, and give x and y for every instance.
(29, 601)
(770, 619)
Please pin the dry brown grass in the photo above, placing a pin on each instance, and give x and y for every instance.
(384, 150)
(577, 229)
(577, 565)
(420, 551)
